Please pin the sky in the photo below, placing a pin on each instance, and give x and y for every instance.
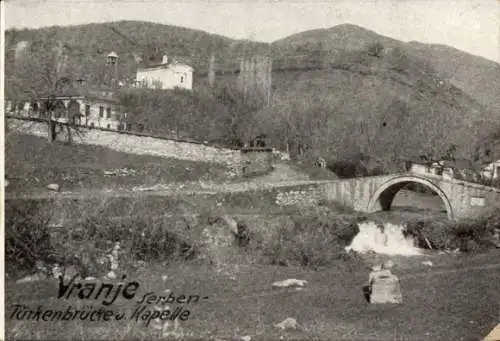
(469, 25)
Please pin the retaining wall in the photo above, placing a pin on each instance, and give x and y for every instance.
(137, 144)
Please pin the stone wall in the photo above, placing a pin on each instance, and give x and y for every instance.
(138, 144)
(306, 197)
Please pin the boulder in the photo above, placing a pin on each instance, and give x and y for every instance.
(289, 323)
(289, 283)
(53, 187)
(384, 287)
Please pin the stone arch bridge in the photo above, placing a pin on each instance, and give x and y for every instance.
(371, 194)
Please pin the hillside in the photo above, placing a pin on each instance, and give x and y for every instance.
(476, 76)
(139, 42)
(335, 93)
(343, 37)
(374, 105)
(135, 42)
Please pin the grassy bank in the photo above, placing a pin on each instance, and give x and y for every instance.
(32, 163)
(437, 305)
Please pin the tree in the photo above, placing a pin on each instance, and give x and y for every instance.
(375, 49)
(399, 60)
(43, 72)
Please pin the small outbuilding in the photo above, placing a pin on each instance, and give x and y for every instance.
(256, 160)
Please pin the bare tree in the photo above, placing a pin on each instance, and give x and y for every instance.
(42, 74)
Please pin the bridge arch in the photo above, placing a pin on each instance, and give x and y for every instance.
(384, 195)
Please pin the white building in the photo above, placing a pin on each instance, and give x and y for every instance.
(444, 169)
(167, 75)
(492, 171)
(89, 108)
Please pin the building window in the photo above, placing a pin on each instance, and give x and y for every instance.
(108, 126)
(87, 110)
(182, 79)
(101, 111)
(108, 113)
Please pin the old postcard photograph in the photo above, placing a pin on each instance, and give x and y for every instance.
(251, 170)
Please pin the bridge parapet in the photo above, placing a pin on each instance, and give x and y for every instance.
(462, 199)
(455, 181)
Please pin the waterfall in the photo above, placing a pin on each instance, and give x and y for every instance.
(390, 240)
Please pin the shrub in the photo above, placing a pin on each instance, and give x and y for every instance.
(467, 235)
(375, 49)
(88, 238)
(310, 241)
(430, 231)
(399, 60)
(347, 169)
(27, 235)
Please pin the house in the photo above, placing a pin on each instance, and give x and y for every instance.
(457, 169)
(80, 105)
(166, 75)
(492, 170)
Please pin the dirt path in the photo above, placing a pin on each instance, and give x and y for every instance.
(171, 189)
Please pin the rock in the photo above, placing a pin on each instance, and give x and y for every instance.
(53, 187)
(111, 275)
(290, 282)
(90, 278)
(33, 278)
(246, 338)
(289, 323)
(427, 262)
(384, 287)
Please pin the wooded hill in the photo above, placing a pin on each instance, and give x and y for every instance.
(344, 92)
